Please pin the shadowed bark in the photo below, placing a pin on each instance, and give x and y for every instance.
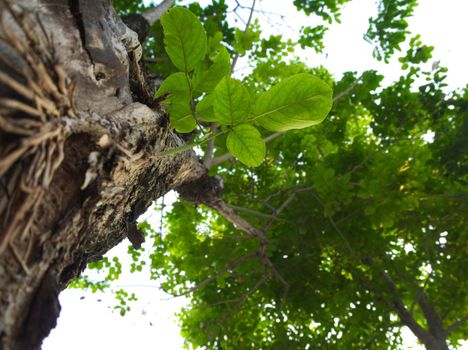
(80, 159)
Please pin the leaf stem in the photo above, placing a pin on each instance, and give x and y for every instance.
(191, 145)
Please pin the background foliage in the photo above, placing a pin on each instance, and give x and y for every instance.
(364, 214)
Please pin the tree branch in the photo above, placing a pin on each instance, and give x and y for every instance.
(457, 324)
(152, 15)
(256, 213)
(210, 147)
(408, 319)
(433, 320)
(228, 267)
(396, 304)
(285, 204)
(240, 301)
(348, 90)
(227, 212)
(247, 25)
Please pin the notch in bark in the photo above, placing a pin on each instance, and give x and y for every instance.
(138, 24)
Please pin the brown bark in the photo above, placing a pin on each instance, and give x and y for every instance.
(80, 158)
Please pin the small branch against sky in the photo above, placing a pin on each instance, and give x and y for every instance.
(247, 25)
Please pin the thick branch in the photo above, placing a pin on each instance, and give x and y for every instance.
(154, 14)
(405, 316)
(433, 320)
(431, 340)
(225, 211)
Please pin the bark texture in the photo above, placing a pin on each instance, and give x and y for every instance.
(80, 152)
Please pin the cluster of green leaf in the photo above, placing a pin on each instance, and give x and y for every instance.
(123, 298)
(328, 10)
(203, 91)
(390, 28)
(313, 37)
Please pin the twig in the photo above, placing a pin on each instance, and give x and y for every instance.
(454, 326)
(227, 212)
(247, 25)
(348, 90)
(228, 267)
(255, 212)
(162, 215)
(285, 204)
(241, 301)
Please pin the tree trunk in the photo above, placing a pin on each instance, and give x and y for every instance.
(80, 154)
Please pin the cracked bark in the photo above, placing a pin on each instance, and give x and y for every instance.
(79, 156)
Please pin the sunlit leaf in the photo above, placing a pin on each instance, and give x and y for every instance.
(246, 143)
(181, 117)
(297, 102)
(176, 85)
(231, 102)
(208, 75)
(184, 38)
(205, 110)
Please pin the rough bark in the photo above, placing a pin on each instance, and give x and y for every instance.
(80, 154)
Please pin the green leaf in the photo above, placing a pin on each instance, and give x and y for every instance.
(205, 110)
(246, 144)
(184, 38)
(297, 102)
(206, 76)
(180, 115)
(245, 39)
(231, 102)
(177, 85)
(214, 43)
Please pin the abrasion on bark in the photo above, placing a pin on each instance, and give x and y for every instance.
(80, 157)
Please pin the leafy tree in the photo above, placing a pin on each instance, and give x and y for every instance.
(328, 232)
(352, 225)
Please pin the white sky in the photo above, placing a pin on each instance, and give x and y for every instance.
(90, 324)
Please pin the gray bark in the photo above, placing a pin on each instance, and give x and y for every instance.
(80, 157)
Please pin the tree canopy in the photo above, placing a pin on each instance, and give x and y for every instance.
(330, 236)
